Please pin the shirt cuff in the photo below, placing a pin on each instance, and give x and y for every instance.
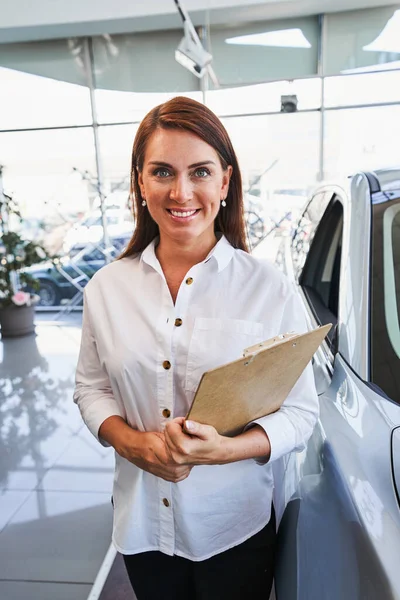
(280, 432)
(95, 415)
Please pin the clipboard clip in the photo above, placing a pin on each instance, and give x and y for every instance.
(278, 339)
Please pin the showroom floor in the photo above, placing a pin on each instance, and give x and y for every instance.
(55, 478)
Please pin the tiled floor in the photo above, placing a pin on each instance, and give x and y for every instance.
(55, 479)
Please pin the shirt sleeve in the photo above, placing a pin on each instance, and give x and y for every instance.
(93, 393)
(291, 426)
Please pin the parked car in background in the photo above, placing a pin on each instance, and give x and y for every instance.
(339, 538)
(57, 280)
(119, 222)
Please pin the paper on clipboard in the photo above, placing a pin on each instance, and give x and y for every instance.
(255, 385)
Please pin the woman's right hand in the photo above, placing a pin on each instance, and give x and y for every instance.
(154, 457)
(146, 450)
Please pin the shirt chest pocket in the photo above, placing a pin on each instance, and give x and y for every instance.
(215, 342)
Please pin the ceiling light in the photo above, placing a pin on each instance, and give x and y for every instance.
(284, 38)
(388, 40)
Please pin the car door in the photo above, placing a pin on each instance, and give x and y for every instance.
(325, 538)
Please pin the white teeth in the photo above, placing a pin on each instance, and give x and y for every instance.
(182, 214)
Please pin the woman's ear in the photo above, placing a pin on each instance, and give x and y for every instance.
(140, 182)
(226, 179)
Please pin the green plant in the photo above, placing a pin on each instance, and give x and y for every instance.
(16, 254)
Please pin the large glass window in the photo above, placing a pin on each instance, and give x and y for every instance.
(368, 88)
(278, 156)
(249, 53)
(361, 139)
(277, 152)
(43, 85)
(116, 106)
(362, 38)
(265, 97)
(116, 148)
(51, 174)
(135, 72)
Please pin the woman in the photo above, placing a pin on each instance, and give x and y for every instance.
(193, 510)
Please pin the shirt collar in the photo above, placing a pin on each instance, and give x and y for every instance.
(149, 255)
(222, 253)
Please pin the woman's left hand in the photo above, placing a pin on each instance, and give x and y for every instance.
(201, 445)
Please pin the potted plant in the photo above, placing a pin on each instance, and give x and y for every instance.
(17, 304)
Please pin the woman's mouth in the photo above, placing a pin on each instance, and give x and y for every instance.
(183, 215)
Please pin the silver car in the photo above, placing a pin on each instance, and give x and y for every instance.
(339, 538)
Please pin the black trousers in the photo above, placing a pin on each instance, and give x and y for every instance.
(244, 572)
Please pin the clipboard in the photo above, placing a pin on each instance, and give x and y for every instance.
(255, 385)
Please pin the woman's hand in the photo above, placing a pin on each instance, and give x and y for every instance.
(154, 457)
(146, 450)
(172, 454)
(201, 445)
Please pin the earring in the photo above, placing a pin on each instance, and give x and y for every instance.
(144, 203)
(223, 203)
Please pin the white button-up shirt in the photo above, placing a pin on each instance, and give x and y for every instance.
(226, 303)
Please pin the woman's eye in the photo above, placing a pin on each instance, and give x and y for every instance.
(202, 172)
(161, 172)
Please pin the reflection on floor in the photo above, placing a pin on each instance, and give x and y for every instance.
(55, 478)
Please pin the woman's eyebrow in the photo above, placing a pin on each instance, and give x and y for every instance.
(160, 163)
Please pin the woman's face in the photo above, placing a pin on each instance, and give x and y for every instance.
(183, 183)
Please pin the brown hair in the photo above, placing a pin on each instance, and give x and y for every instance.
(189, 115)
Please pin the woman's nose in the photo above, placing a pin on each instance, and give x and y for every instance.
(181, 190)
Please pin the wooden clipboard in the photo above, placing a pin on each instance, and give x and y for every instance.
(256, 385)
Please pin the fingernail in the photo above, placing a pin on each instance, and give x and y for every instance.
(189, 425)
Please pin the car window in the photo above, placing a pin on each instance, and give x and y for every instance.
(112, 220)
(306, 228)
(94, 254)
(86, 253)
(385, 297)
(321, 273)
(92, 220)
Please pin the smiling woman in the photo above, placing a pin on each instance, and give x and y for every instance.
(183, 195)
(205, 165)
(186, 297)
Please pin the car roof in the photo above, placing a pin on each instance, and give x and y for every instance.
(389, 179)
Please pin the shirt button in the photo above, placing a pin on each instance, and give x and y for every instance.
(189, 280)
(165, 502)
(166, 364)
(178, 322)
(166, 413)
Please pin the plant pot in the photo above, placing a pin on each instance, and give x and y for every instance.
(17, 320)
